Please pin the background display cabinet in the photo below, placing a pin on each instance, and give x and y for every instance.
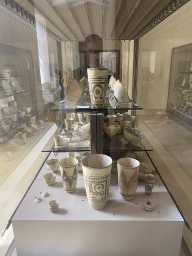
(179, 105)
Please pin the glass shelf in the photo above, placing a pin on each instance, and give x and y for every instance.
(50, 146)
(84, 105)
(118, 143)
(4, 94)
(14, 126)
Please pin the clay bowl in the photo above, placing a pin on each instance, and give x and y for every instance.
(111, 129)
(53, 165)
(132, 135)
(49, 178)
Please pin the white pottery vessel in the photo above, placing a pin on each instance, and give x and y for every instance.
(68, 168)
(111, 129)
(49, 178)
(6, 74)
(27, 110)
(83, 132)
(58, 140)
(110, 119)
(97, 78)
(149, 181)
(112, 82)
(132, 135)
(75, 92)
(52, 164)
(128, 173)
(96, 175)
(120, 93)
(53, 205)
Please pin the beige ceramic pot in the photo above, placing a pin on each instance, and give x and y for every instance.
(53, 165)
(111, 129)
(128, 172)
(96, 174)
(97, 78)
(68, 168)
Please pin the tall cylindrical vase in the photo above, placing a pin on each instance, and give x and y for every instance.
(96, 174)
(128, 172)
(97, 78)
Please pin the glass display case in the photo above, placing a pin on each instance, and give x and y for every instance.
(179, 106)
(69, 87)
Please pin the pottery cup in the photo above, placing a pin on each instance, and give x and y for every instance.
(68, 168)
(53, 205)
(49, 178)
(96, 175)
(149, 181)
(53, 165)
(128, 172)
(58, 140)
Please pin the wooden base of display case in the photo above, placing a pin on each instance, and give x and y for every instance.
(121, 228)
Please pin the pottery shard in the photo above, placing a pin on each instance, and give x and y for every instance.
(120, 93)
(75, 91)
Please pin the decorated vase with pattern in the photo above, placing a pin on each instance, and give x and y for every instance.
(68, 168)
(96, 174)
(97, 78)
(128, 172)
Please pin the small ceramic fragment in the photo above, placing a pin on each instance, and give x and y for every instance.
(44, 194)
(38, 200)
(149, 206)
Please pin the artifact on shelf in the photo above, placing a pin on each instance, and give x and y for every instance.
(80, 117)
(110, 119)
(75, 91)
(38, 200)
(58, 140)
(53, 206)
(96, 175)
(120, 93)
(83, 132)
(68, 168)
(97, 78)
(17, 144)
(111, 129)
(53, 165)
(41, 124)
(29, 131)
(73, 154)
(44, 194)
(6, 74)
(49, 178)
(132, 135)
(21, 114)
(69, 122)
(112, 99)
(15, 84)
(149, 181)
(12, 104)
(27, 110)
(112, 82)
(128, 173)
(149, 206)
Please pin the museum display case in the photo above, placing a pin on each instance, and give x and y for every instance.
(180, 91)
(87, 129)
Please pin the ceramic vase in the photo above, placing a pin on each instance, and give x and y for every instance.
(97, 78)
(68, 168)
(96, 175)
(128, 172)
(149, 181)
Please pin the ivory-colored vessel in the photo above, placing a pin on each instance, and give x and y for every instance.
(128, 173)
(96, 174)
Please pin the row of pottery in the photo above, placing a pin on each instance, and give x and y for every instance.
(96, 174)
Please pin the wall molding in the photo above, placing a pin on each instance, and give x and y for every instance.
(173, 6)
(17, 9)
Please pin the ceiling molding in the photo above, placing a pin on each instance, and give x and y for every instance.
(47, 18)
(75, 18)
(20, 11)
(173, 6)
(103, 19)
(116, 17)
(61, 18)
(89, 18)
(130, 17)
